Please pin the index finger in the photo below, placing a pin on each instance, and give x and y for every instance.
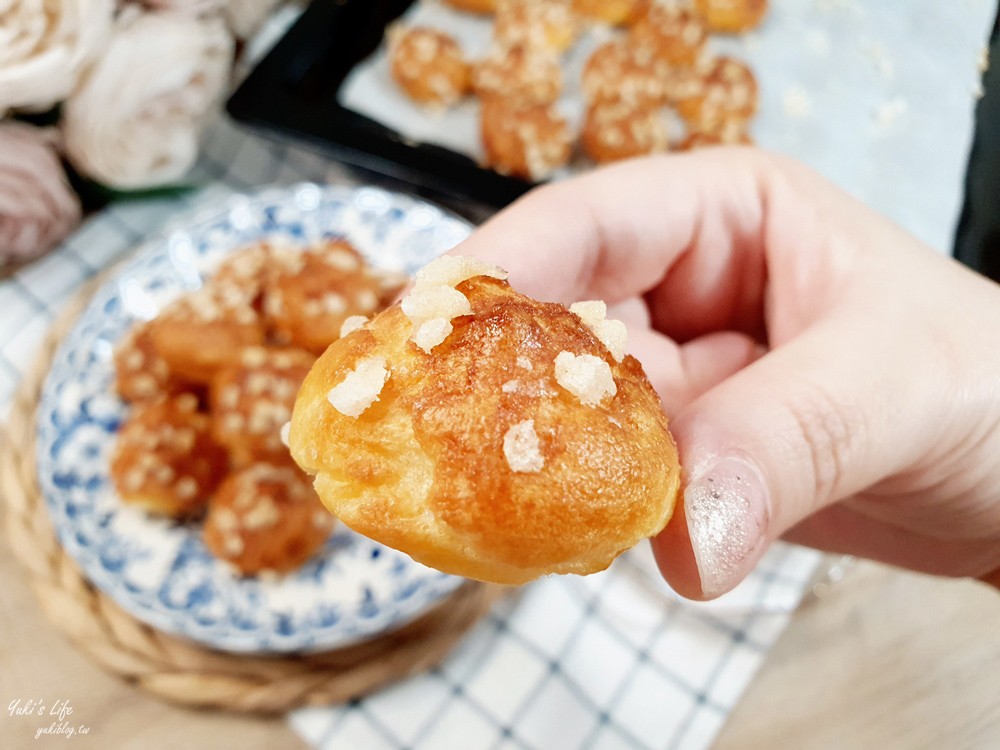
(625, 230)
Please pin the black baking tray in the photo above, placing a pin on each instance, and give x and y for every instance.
(977, 239)
(292, 94)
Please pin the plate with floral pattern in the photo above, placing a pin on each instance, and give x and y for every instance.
(160, 571)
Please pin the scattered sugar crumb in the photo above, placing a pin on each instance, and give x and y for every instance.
(521, 448)
(286, 430)
(591, 312)
(525, 364)
(361, 388)
(880, 59)
(797, 103)
(888, 113)
(587, 377)
(611, 333)
(432, 332)
(429, 302)
(451, 270)
(351, 324)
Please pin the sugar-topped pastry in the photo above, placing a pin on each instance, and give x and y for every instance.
(731, 16)
(253, 397)
(623, 70)
(614, 12)
(306, 305)
(523, 442)
(266, 518)
(722, 88)
(473, 6)
(140, 373)
(677, 34)
(428, 65)
(732, 133)
(548, 24)
(530, 142)
(206, 329)
(522, 73)
(165, 460)
(620, 130)
(247, 269)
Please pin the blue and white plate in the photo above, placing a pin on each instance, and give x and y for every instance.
(160, 571)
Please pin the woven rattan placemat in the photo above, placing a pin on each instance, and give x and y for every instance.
(176, 669)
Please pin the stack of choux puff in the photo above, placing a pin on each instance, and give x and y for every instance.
(487, 434)
(652, 87)
(211, 381)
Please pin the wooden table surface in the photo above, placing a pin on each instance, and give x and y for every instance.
(884, 660)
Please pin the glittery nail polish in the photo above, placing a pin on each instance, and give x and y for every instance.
(726, 506)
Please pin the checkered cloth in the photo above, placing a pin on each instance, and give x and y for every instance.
(607, 661)
(611, 660)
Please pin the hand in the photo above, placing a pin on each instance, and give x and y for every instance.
(829, 379)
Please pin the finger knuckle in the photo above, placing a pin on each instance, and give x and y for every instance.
(829, 431)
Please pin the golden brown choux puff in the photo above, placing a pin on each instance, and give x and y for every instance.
(428, 65)
(247, 269)
(519, 73)
(624, 71)
(545, 24)
(306, 304)
(731, 16)
(731, 133)
(676, 34)
(620, 130)
(165, 460)
(206, 329)
(613, 12)
(473, 6)
(718, 89)
(526, 141)
(486, 434)
(252, 399)
(140, 373)
(266, 518)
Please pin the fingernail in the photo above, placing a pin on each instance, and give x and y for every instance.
(726, 507)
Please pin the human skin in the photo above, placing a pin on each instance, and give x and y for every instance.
(829, 379)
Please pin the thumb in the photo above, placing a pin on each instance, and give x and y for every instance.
(814, 421)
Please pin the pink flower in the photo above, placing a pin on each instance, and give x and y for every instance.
(37, 207)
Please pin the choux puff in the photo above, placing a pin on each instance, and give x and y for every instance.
(428, 65)
(486, 434)
(731, 16)
(546, 24)
(166, 461)
(615, 12)
(266, 517)
(473, 6)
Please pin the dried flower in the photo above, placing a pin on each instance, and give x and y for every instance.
(135, 119)
(44, 47)
(37, 208)
(246, 16)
